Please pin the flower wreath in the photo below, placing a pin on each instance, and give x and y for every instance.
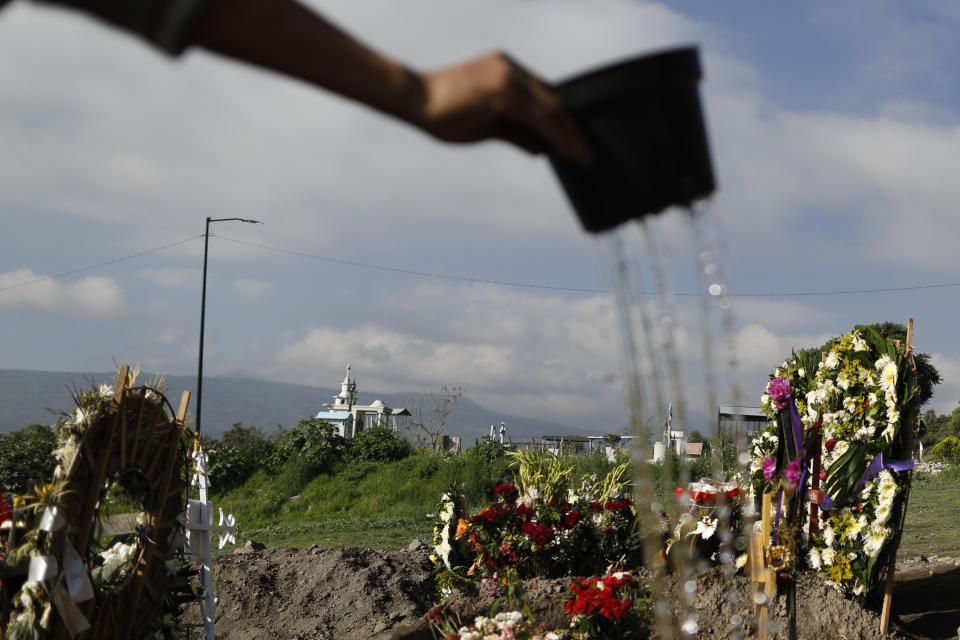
(858, 396)
(85, 572)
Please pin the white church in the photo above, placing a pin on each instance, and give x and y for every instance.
(350, 418)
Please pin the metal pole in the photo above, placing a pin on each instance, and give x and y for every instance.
(203, 311)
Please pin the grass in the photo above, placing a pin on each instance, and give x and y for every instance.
(932, 514)
(375, 505)
(385, 506)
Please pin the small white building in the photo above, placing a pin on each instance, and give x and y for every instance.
(350, 418)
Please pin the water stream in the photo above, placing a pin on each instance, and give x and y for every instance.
(658, 373)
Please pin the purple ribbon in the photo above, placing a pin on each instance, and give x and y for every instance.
(798, 439)
(876, 466)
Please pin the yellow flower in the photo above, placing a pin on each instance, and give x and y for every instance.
(463, 527)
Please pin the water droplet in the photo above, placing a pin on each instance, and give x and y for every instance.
(709, 268)
(661, 608)
(690, 626)
(760, 598)
(706, 257)
(725, 304)
(726, 535)
(744, 458)
(689, 587)
(733, 597)
(715, 289)
(726, 557)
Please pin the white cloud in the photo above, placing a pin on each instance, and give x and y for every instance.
(93, 296)
(172, 277)
(251, 292)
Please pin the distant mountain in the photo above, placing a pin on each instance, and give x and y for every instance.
(40, 396)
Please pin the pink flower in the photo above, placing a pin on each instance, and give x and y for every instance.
(792, 472)
(769, 467)
(779, 391)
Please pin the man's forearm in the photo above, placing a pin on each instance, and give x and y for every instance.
(287, 37)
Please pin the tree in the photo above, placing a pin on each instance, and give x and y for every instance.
(313, 445)
(429, 413)
(379, 444)
(696, 436)
(237, 455)
(26, 457)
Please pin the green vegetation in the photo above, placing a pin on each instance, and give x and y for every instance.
(932, 514)
(26, 458)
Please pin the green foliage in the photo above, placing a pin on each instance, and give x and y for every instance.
(379, 444)
(948, 450)
(237, 455)
(487, 449)
(26, 457)
(311, 448)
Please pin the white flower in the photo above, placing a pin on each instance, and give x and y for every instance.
(843, 381)
(857, 590)
(828, 535)
(814, 558)
(850, 404)
(859, 344)
(705, 528)
(741, 561)
(802, 372)
(832, 360)
(765, 400)
(882, 363)
(853, 530)
(888, 378)
(827, 555)
(882, 514)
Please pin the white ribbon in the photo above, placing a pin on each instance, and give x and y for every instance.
(42, 568)
(227, 529)
(52, 520)
(73, 618)
(75, 574)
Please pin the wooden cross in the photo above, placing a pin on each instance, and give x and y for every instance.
(764, 578)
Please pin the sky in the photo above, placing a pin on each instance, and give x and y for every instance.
(834, 136)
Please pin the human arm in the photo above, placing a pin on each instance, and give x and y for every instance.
(489, 97)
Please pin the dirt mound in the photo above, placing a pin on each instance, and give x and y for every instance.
(301, 594)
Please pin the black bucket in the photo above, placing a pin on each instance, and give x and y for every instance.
(644, 124)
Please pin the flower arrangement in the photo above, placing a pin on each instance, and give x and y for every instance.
(855, 397)
(90, 457)
(526, 531)
(507, 625)
(615, 605)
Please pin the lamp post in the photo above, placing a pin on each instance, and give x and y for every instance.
(203, 307)
(199, 524)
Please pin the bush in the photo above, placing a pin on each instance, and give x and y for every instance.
(487, 450)
(948, 450)
(379, 444)
(237, 456)
(26, 457)
(313, 447)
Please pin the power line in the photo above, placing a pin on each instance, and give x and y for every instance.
(99, 264)
(424, 274)
(445, 276)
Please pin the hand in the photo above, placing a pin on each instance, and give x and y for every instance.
(494, 97)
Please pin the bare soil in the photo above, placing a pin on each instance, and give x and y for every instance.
(353, 593)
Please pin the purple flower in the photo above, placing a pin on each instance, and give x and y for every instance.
(769, 467)
(792, 472)
(779, 391)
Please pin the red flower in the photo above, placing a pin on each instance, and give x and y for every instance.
(830, 444)
(823, 476)
(595, 505)
(541, 534)
(504, 488)
(617, 506)
(524, 511)
(609, 531)
(571, 519)
(6, 512)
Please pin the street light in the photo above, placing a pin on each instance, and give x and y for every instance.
(203, 307)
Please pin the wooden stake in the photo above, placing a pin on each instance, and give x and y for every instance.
(909, 347)
(765, 506)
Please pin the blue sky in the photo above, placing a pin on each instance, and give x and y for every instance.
(835, 141)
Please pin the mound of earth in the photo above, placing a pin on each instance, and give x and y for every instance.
(359, 593)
